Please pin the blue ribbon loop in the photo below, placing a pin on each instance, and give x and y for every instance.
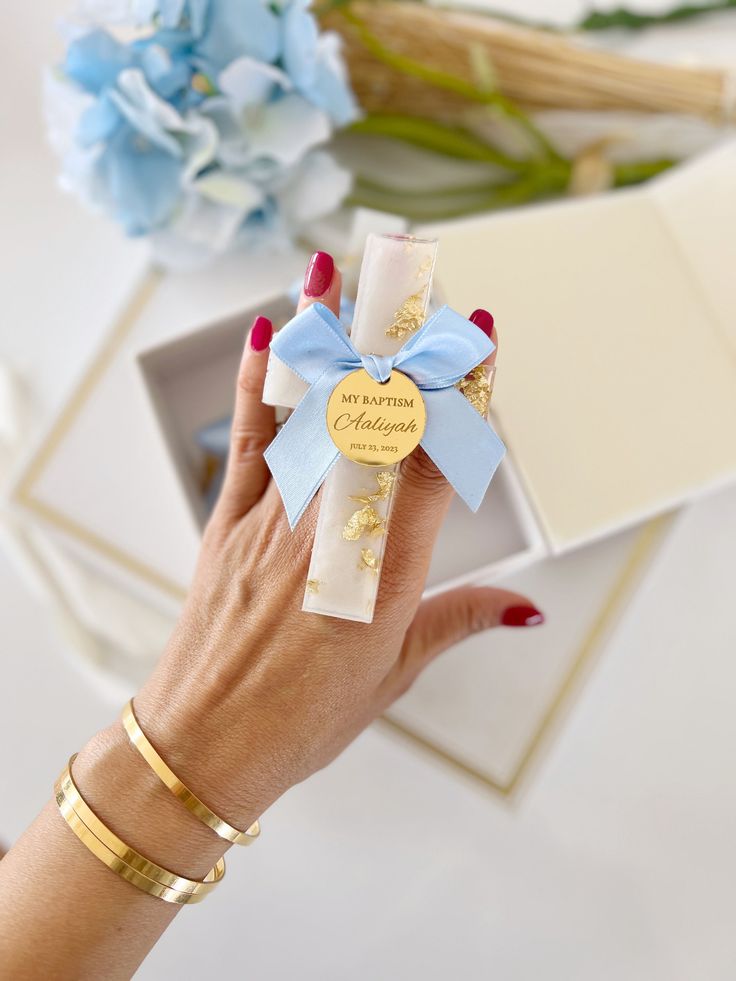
(316, 347)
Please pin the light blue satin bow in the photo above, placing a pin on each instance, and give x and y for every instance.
(316, 347)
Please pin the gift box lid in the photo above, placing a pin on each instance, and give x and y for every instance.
(616, 382)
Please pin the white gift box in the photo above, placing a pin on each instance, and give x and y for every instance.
(616, 387)
(616, 395)
(190, 380)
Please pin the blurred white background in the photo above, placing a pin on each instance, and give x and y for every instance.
(617, 863)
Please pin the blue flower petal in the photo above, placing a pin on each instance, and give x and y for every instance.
(314, 64)
(238, 27)
(95, 60)
(198, 10)
(300, 34)
(166, 75)
(333, 94)
(187, 15)
(171, 12)
(149, 117)
(99, 122)
(142, 182)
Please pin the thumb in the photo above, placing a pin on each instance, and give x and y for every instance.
(447, 618)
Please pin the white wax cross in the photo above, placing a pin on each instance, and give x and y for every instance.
(392, 301)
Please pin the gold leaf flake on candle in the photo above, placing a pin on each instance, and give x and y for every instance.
(366, 521)
(385, 480)
(368, 560)
(313, 586)
(409, 317)
(424, 267)
(476, 388)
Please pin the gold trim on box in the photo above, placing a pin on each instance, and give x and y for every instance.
(642, 551)
(24, 490)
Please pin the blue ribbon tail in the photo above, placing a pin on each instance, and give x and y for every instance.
(303, 453)
(461, 444)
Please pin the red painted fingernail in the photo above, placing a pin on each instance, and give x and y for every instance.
(319, 274)
(521, 616)
(261, 333)
(483, 319)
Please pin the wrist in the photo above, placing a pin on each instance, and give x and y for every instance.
(129, 798)
(202, 738)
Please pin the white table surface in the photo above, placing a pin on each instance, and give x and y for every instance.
(618, 862)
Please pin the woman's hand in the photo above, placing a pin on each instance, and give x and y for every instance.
(253, 695)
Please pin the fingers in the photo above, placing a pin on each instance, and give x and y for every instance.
(253, 422)
(253, 428)
(422, 498)
(448, 618)
(322, 283)
(483, 319)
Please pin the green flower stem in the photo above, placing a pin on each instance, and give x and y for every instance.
(452, 141)
(540, 183)
(457, 202)
(529, 179)
(640, 171)
(623, 18)
(419, 197)
(450, 83)
(535, 178)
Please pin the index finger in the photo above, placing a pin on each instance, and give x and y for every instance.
(322, 284)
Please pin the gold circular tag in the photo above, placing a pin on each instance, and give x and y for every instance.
(373, 423)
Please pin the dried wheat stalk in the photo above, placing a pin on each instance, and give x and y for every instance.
(537, 69)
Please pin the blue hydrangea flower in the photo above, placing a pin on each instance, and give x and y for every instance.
(207, 125)
(313, 62)
(176, 13)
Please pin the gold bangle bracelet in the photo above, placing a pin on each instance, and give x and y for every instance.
(124, 852)
(182, 793)
(121, 858)
(115, 864)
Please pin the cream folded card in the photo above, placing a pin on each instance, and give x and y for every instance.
(616, 385)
